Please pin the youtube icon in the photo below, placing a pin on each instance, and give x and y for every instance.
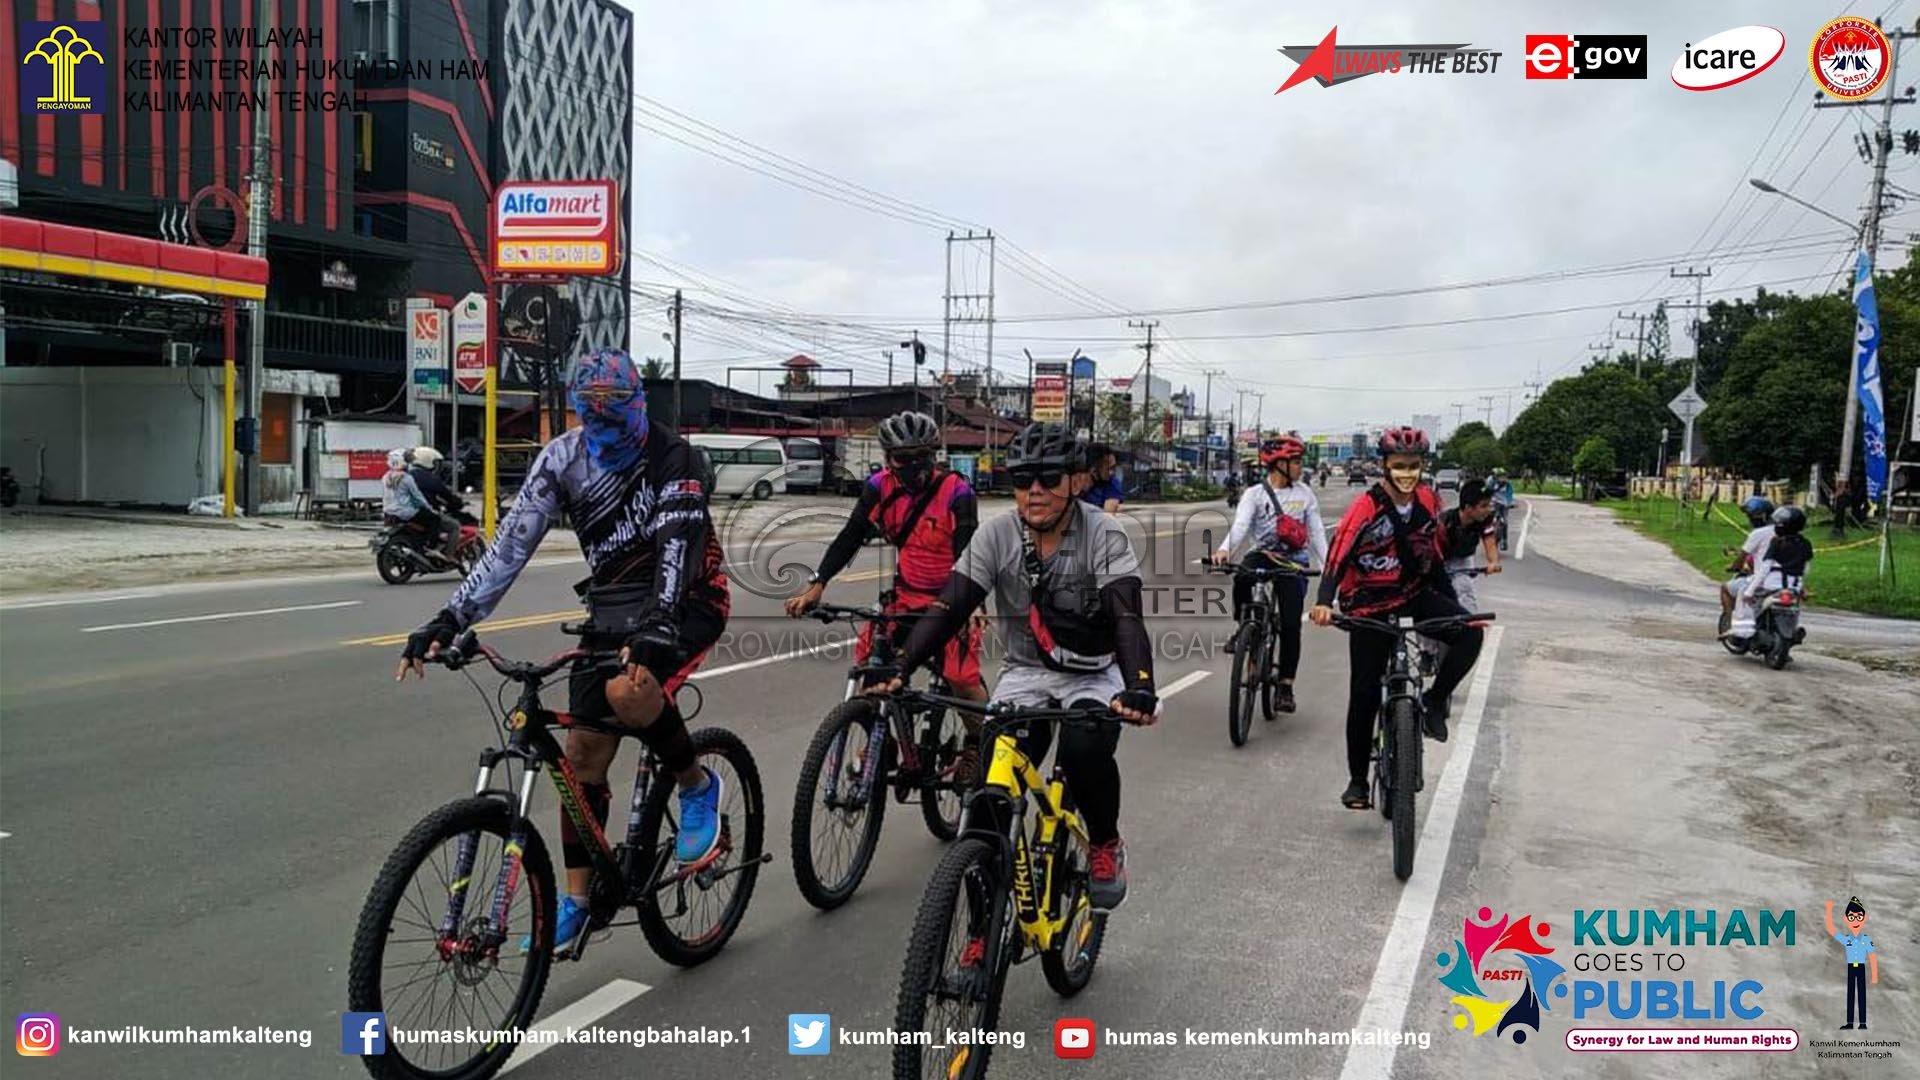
(1073, 1038)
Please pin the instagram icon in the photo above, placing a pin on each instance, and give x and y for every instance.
(36, 1034)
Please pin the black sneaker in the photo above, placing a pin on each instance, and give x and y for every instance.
(1233, 642)
(1435, 720)
(1283, 700)
(1355, 797)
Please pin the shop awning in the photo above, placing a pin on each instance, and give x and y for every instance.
(109, 256)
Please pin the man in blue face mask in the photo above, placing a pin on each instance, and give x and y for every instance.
(636, 495)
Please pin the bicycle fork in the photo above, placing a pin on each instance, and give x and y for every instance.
(467, 850)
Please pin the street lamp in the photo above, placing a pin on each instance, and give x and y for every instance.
(1791, 197)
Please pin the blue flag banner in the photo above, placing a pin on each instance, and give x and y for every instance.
(1866, 378)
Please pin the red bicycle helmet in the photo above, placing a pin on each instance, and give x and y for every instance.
(1281, 448)
(1402, 440)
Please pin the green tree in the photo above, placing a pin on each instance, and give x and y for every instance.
(1603, 400)
(1593, 462)
(653, 368)
(1479, 455)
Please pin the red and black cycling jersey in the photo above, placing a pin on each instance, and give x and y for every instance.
(928, 542)
(1367, 563)
(648, 524)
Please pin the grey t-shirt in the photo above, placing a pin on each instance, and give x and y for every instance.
(1093, 553)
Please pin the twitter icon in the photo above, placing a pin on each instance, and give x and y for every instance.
(809, 1033)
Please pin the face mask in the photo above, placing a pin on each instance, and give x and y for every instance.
(606, 393)
(914, 472)
(1405, 480)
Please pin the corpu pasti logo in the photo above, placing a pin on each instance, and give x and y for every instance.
(1728, 57)
(1331, 63)
(63, 69)
(1485, 982)
(1849, 58)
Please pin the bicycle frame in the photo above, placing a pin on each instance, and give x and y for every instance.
(897, 724)
(1011, 782)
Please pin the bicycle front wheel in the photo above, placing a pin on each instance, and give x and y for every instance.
(946, 984)
(1249, 646)
(689, 913)
(1406, 777)
(406, 967)
(942, 797)
(833, 837)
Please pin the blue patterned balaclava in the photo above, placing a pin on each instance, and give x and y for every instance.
(610, 398)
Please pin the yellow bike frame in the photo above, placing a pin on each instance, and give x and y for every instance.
(1012, 773)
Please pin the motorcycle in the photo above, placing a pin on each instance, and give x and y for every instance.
(1776, 627)
(9, 488)
(403, 549)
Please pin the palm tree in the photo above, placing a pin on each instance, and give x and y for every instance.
(653, 368)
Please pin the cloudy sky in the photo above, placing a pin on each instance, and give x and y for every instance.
(1139, 151)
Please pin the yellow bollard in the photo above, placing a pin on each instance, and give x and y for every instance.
(490, 490)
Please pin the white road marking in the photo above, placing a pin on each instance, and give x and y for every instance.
(4, 835)
(1183, 682)
(217, 616)
(580, 1014)
(1385, 1007)
(1520, 549)
(765, 660)
(82, 600)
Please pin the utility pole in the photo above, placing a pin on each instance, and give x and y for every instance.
(1639, 341)
(888, 353)
(965, 307)
(257, 211)
(679, 418)
(1459, 413)
(1882, 146)
(1146, 407)
(1487, 400)
(1259, 412)
(1699, 282)
(1206, 433)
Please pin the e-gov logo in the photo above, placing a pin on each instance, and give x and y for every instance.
(63, 69)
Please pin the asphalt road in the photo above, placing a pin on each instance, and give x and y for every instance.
(199, 784)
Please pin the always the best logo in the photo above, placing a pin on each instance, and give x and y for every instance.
(1330, 63)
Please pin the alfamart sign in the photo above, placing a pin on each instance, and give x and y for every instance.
(556, 227)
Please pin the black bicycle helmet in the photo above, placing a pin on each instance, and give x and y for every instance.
(908, 431)
(1044, 445)
(1789, 520)
(1758, 510)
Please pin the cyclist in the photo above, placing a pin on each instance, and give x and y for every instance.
(1502, 490)
(1066, 586)
(1759, 513)
(1465, 529)
(1386, 561)
(636, 495)
(928, 514)
(1283, 518)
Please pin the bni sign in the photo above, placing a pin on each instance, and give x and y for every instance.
(427, 351)
(555, 227)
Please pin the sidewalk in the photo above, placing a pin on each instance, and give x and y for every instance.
(1592, 540)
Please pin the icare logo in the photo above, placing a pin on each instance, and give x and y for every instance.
(1586, 56)
(1728, 57)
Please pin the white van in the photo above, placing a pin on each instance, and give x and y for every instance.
(806, 465)
(745, 464)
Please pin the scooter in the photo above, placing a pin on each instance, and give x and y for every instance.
(1776, 627)
(402, 550)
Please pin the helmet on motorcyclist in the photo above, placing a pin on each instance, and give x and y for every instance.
(396, 459)
(610, 398)
(1758, 509)
(1789, 520)
(426, 457)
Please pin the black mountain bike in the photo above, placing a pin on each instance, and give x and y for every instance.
(1398, 769)
(1256, 644)
(426, 929)
(864, 747)
(1008, 891)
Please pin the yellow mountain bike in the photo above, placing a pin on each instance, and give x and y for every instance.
(1004, 893)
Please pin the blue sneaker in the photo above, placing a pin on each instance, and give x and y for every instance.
(567, 924)
(699, 820)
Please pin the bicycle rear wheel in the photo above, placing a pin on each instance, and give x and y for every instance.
(1406, 777)
(1249, 645)
(833, 845)
(404, 967)
(942, 796)
(964, 902)
(688, 918)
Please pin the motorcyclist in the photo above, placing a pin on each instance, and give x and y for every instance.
(442, 503)
(1759, 511)
(636, 495)
(1385, 561)
(1782, 563)
(1282, 517)
(401, 499)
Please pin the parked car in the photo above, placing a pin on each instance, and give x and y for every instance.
(745, 464)
(1447, 480)
(807, 463)
(1356, 474)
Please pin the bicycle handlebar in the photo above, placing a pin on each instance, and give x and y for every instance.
(829, 613)
(1003, 714)
(467, 647)
(1424, 626)
(1276, 570)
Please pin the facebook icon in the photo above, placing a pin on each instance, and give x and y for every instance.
(363, 1033)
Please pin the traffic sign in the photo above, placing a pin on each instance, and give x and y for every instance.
(1688, 404)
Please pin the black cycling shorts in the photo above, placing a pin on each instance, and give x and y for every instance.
(700, 627)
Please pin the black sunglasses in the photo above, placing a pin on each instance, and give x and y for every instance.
(1047, 477)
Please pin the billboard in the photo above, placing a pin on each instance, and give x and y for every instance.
(470, 343)
(427, 352)
(555, 227)
(1049, 391)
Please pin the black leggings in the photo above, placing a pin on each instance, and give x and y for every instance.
(1368, 654)
(1291, 596)
(1093, 777)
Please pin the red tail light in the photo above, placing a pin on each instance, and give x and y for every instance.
(1785, 598)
